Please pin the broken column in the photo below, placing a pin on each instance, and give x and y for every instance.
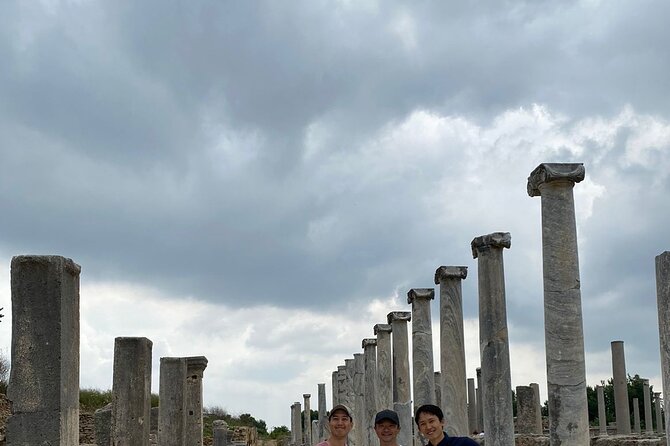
(472, 406)
(294, 429)
(402, 397)
(131, 392)
(44, 377)
(359, 431)
(636, 416)
(172, 397)
(663, 304)
(526, 410)
(452, 349)
(370, 360)
(646, 397)
(422, 346)
(538, 403)
(297, 408)
(195, 369)
(478, 395)
(384, 366)
(307, 420)
(321, 434)
(220, 432)
(659, 416)
(620, 383)
(493, 340)
(564, 330)
(602, 418)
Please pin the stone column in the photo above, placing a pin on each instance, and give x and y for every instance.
(350, 397)
(663, 304)
(220, 431)
(307, 420)
(452, 349)
(336, 392)
(402, 397)
(602, 417)
(636, 416)
(422, 346)
(172, 396)
(526, 410)
(384, 366)
(620, 382)
(359, 431)
(472, 406)
(297, 407)
(564, 330)
(131, 392)
(102, 420)
(493, 341)
(478, 395)
(294, 428)
(315, 430)
(438, 386)
(538, 403)
(646, 397)
(342, 391)
(195, 369)
(322, 412)
(370, 360)
(44, 377)
(659, 416)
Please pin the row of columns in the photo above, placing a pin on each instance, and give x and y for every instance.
(44, 379)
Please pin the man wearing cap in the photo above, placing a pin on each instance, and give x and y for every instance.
(387, 427)
(339, 426)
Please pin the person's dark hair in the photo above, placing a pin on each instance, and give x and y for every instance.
(431, 409)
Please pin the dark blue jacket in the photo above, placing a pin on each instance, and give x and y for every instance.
(456, 441)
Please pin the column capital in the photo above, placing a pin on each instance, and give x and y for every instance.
(399, 316)
(196, 364)
(493, 240)
(384, 328)
(450, 272)
(306, 395)
(369, 342)
(549, 172)
(420, 293)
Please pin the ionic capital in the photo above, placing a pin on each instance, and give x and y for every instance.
(549, 172)
(384, 328)
(494, 240)
(420, 293)
(196, 364)
(405, 316)
(450, 272)
(369, 342)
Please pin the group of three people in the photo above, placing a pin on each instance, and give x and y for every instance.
(429, 419)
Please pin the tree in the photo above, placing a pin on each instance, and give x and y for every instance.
(248, 420)
(279, 432)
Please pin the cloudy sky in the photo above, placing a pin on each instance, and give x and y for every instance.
(262, 182)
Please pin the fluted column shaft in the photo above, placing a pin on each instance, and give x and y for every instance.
(620, 382)
(384, 366)
(402, 398)
(564, 330)
(493, 338)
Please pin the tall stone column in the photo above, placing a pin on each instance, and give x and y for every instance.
(438, 386)
(293, 429)
(297, 407)
(663, 304)
(195, 369)
(563, 326)
(359, 431)
(526, 410)
(342, 390)
(480, 406)
(636, 416)
(422, 346)
(315, 430)
(335, 390)
(384, 366)
(44, 377)
(131, 392)
(472, 406)
(350, 400)
(620, 382)
(220, 432)
(452, 349)
(370, 360)
(402, 397)
(602, 417)
(493, 340)
(307, 420)
(538, 403)
(648, 422)
(321, 432)
(659, 417)
(172, 396)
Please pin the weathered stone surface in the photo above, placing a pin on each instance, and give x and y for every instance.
(195, 369)
(44, 377)
(453, 399)
(648, 422)
(402, 399)
(438, 388)
(472, 406)
(172, 395)
(538, 413)
(526, 411)
(422, 346)
(307, 419)
(659, 416)
(636, 416)
(620, 382)
(359, 431)
(103, 425)
(220, 431)
(335, 391)
(478, 395)
(564, 331)
(321, 392)
(602, 417)
(370, 360)
(384, 366)
(493, 338)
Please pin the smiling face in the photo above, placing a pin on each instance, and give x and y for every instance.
(387, 431)
(339, 424)
(431, 427)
